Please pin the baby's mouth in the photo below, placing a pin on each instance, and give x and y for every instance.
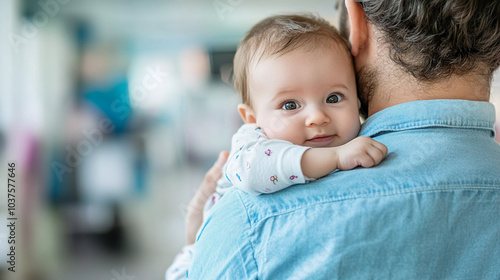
(321, 138)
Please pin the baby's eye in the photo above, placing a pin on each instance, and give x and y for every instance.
(290, 105)
(333, 98)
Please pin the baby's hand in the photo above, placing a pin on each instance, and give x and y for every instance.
(361, 151)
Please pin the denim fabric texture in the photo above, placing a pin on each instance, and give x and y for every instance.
(430, 210)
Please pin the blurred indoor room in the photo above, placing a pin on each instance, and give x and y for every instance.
(113, 111)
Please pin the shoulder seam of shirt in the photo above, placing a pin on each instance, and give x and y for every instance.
(421, 114)
(426, 189)
(249, 222)
(372, 132)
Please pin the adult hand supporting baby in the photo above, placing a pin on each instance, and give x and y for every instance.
(194, 216)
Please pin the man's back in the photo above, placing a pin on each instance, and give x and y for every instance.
(428, 211)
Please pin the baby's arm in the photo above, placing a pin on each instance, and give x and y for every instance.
(258, 165)
(361, 151)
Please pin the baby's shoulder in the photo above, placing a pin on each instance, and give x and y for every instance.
(249, 127)
(247, 132)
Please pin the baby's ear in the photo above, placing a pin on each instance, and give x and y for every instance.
(247, 114)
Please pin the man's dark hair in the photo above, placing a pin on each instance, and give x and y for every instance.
(433, 39)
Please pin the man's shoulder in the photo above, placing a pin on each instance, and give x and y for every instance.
(400, 174)
(336, 187)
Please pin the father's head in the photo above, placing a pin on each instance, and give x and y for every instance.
(420, 42)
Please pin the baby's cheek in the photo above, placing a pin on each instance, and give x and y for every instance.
(273, 127)
(269, 131)
(354, 128)
(289, 134)
(276, 132)
(279, 127)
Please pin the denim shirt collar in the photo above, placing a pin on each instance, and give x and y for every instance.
(432, 113)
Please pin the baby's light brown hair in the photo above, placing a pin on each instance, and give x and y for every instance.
(278, 35)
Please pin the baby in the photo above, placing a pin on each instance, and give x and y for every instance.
(296, 78)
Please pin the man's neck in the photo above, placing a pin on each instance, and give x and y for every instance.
(399, 90)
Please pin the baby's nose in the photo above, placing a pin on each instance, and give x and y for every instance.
(317, 117)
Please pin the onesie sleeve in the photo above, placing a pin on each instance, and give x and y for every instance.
(258, 164)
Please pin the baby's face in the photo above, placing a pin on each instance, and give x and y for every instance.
(306, 97)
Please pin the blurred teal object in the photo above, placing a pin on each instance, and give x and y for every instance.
(113, 101)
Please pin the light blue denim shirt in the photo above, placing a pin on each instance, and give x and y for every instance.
(430, 210)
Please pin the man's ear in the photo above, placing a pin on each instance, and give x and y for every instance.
(359, 26)
(247, 114)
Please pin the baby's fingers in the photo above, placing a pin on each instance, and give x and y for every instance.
(366, 160)
(372, 154)
(380, 147)
(377, 152)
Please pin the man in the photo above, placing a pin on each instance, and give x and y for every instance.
(430, 209)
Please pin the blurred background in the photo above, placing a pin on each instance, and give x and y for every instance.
(113, 111)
